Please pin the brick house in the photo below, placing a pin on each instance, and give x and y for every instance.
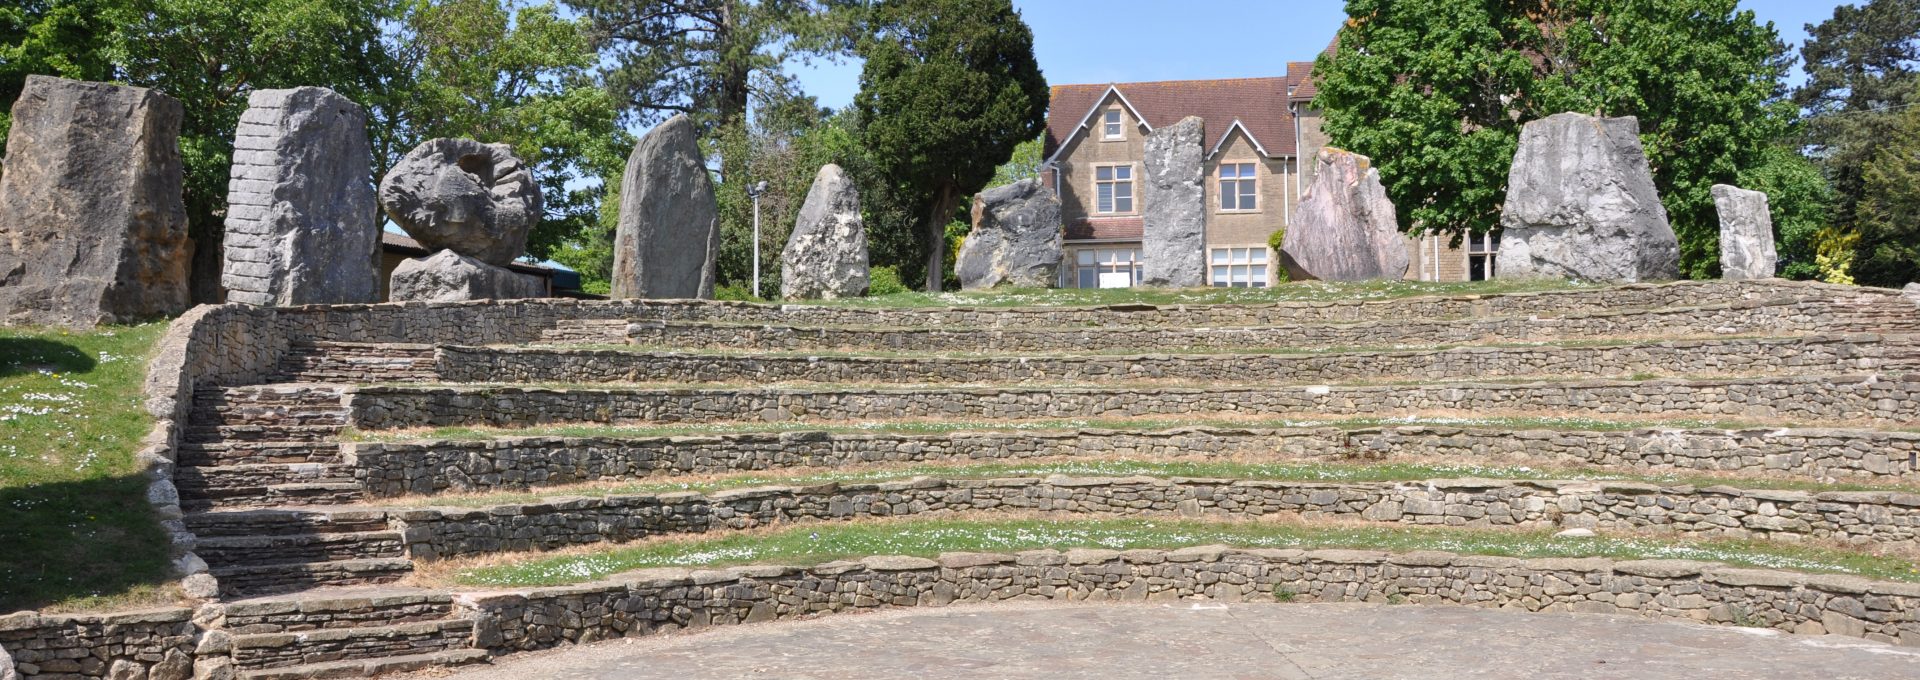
(1261, 139)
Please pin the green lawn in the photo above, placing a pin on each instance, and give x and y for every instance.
(1305, 291)
(814, 544)
(75, 528)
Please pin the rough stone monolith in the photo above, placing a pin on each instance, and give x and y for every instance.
(300, 204)
(668, 241)
(1581, 204)
(1746, 233)
(826, 255)
(475, 199)
(1173, 210)
(1345, 229)
(447, 276)
(1015, 240)
(93, 228)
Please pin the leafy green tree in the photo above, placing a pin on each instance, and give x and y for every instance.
(1436, 91)
(51, 37)
(1801, 203)
(1889, 210)
(949, 88)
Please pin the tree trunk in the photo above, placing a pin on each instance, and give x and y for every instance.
(937, 238)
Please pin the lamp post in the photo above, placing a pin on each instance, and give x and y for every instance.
(754, 192)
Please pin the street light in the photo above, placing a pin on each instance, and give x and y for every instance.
(754, 193)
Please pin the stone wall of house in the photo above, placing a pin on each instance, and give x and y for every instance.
(1770, 356)
(1769, 317)
(1893, 398)
(154, 644)
(1857, 517)
(666, 600)
(521, 463)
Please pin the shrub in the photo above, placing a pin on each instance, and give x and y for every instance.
(737, 292)
(1274, 240)
(886, 281)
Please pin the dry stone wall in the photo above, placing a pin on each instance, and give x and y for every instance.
(520, 463)
(1894, 398)
(1857, 517)
(666, 600)
(153, 644)
(1823, 354)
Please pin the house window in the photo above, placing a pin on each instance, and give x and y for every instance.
(1239, 187)
(1239, 267)
(1111, 125)
(1482, 250)
(1107, 268)
(1114, 185)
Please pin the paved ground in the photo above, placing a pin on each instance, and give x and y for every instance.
(1284, 641)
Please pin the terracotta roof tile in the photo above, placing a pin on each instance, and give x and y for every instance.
(1260, 104)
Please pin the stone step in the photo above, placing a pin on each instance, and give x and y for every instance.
(284, 522)
(1689, 357)
(349, 608)
(225, 551)
(266, 484)
(218, 434)
(349, 362)
(257, 651)
(257, 452)
(365, 668)
(268, 415)
(270, 579)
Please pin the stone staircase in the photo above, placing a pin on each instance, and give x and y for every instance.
(310, 537)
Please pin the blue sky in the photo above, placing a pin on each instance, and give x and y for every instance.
(1099, 41)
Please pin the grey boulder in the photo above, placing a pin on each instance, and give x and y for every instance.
(1746, 233)
(458, 194)
(1346, 228)
(668, 241)
(300, 208)
(448, 276)
(1015, 240)
(1174, 211)
(1581, 204)
(93, 228)
(826, 255)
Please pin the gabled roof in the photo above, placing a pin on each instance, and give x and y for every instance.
(1258, 104)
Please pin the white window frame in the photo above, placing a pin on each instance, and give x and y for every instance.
(1113, 125)
(1239, 266)
(1090, 262)
(1483, 245)
(1242, 185)
(1113, 199)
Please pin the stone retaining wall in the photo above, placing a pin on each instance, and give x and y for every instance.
(1765, 356)
(1864, 518)
(152, 644)
(1772, 317)
(1803, 399)
(665, 600)
(520, 463)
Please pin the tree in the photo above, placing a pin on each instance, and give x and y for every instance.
(1889, 210)
(51, 37)
(1801, 203)
(949, 88)
(1436, 91)
(1861, 72)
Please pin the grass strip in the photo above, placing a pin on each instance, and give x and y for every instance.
(814, 544)
(1221, 352)
(1297, 291)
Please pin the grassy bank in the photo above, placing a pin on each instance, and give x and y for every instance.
(822, 543)
(75, 528)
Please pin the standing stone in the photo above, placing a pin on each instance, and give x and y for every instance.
(1746, 233)
(448, 276)
(1345, 229)
(1581, 205)
(93, 228)
(475, 199)
(1016, 238)
(1174, 224)
(300, 206)
(668, 241)
(826, 256)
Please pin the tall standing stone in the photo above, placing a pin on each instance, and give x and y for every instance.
(1345, 228)
(474, 199)
(826, 255)
(668, 242)
(93, 228)
(1581, 204)
(1746, 233)
(300, 205)
(1016, 238)
(1174, 224)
